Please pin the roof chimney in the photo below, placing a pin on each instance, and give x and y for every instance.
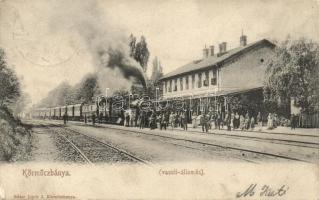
(205, 52)
(221, 48)
(243, 40)
(212, 50)
(224, 47)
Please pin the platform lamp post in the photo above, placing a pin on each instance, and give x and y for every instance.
(156, 99)
(191, 105)
(215, 93)
(129, 101)
(106, 89)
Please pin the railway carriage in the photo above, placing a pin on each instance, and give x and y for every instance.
(64, 110)
(43, 113)
(88, 110)
(51, 113)
(57, 113)
(76, 111)
(103, 111)
(47, 113)
(36, 113)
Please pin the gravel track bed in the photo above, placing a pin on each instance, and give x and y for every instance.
(95, 152)
(66, 152)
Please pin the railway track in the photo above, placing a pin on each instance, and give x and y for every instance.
(312, 145)
(213, 145)
(92, 150)
(121, 151)
(83, 156)
(170, 139)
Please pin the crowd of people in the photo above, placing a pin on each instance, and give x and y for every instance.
(230, 121)
(153, 119)
(164, 120)
(212, 120)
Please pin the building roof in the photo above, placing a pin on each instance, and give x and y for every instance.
(215, 60)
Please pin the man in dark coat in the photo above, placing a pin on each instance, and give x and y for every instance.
(184, 120)
(204, 122)
(64, 118)
(93, 119)
(142, 119)
(293, 121)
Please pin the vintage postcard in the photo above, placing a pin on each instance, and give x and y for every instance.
(159, 99)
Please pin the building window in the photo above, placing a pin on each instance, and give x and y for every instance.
(193, 81)
(199, 80)
(181, 83)
(165, 85)
(170, 86)
(213, 80)
(206, 81)
(186, 81)
(175, 85)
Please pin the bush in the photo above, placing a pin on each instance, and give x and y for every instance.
(15, 139)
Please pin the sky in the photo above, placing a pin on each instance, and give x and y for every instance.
(43, 43)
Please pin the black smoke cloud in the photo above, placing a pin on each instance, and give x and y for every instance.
(106, 42)
(117, 59)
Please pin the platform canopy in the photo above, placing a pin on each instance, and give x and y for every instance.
(224, 92)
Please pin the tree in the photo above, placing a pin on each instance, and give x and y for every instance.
(157, 71)
(21, 103)
(9, 84)
(293, 74)
(64, 94)
(132, 44)
(58, 96)
(141, 54)
(89, 88)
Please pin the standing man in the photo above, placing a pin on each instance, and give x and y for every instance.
(203, 121)
(64, 118)
(219, 120)
(93, 119)
(161, 120)
(166, 119)
(293, 121)
(259, 121)
(142, 119)
(184, 120)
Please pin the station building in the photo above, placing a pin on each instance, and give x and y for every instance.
(208, 82)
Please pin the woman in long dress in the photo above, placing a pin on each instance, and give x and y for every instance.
(252, 123)
(171, 120)
(242, 122)
(236, 121)
(270, 121)
(232, 119)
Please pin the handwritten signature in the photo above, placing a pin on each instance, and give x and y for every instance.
(264, 191)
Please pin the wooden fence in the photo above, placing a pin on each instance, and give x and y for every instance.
(309, 120)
